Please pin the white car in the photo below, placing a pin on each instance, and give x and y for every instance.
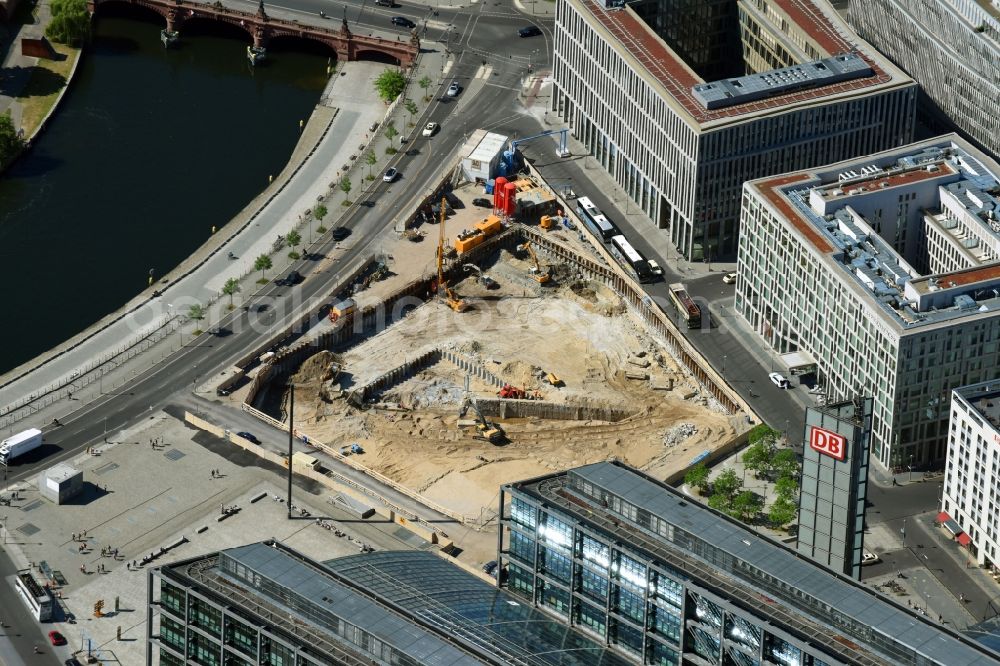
(778, 380)
(453, 89)
(390, 175)
(430, 129)
(729, 278)
(655, 267)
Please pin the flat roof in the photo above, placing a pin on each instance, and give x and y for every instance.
(667, 68)
(984, 397)
(826, 207)
(415, 601)
(489, 147)
(815, 586)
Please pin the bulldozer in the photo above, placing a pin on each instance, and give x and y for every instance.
(539, 273)
(485, 430)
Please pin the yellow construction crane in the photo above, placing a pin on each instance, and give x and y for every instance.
(538, 272)
(453, 301)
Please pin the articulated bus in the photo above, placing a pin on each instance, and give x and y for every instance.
(37, 599)
(629, 258)
(595, 220)
(688, 309)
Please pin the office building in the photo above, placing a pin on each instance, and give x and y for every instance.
(267, 604)
(683, 100)
(666, 580)
(952, 49)
(971, 496)
(834, 485)
(882, 272)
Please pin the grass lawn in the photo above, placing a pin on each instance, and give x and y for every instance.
(48, 79)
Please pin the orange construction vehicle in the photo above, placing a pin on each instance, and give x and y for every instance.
(453, 301)
(538, 272)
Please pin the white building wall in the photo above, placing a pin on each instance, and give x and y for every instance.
(971, 494)
(687, 178)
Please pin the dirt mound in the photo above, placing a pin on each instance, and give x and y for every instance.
(317, 368)
(519, 373)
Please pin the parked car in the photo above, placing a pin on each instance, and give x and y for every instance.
(250, 437)
(403, 22)
(453, 89)
(729, 278)
(868, 557)
(655, 268)
(430, 129)
(529, 31)
(490, 567)
(340, 233)
(778, 380)
(56, 638)
(482, 202)
(390, 174)
(73, 661)
(385, 3)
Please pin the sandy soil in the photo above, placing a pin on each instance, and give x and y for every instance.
(572, 327)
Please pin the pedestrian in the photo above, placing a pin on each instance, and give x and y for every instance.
(133, 565)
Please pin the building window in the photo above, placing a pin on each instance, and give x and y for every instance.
(522, 547)
(241, 636)
(593, 618)
(206, 617)
(172, 633)
(520, 580)
(172, 597)
(555, 565)
(553, 597)
(593, 585)
(522, 513)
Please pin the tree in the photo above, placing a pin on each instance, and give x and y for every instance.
(70, 22)
(230, 289)
(720, 502)
(391, 133)
(345, 185)
(370, 160)
(389, 84)
(11, 143)
(782, 512)
(785, 463)
(424, 84)
(786, 487)
(727, 483)
(262, 263)
(293, 239)
(697, 477)
(320, 212)
(757, 458)
(196, 313)
(747, 505)
(411, 110)
(762, 432)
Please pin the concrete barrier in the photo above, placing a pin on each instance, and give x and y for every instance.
(543, 409)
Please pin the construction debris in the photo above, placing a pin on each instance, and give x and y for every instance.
(679, 433)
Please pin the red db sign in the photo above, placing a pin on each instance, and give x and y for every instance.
(828, 443)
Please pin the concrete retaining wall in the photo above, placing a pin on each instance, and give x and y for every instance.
(472, 368)
(542, 409)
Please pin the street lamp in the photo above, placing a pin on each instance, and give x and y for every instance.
(909, 470)
(724, 357)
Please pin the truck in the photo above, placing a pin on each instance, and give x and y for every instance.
(19, 444)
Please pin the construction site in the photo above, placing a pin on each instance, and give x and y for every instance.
(494, 346)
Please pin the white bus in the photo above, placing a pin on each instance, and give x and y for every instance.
(36, 598)
(630, 259)
(595, 220)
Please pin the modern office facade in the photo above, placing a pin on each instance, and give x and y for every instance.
(971, 495)
(834, 485)
(681, 101)
(265, 604)
(951, 48)
(884, 271)
(666, 580)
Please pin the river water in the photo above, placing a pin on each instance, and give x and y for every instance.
(148, 150)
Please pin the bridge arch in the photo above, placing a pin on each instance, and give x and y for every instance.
(375, 55)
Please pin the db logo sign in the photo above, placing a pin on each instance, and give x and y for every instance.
(828, 443)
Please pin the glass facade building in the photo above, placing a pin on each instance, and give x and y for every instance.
(664, 580)
(265, 604)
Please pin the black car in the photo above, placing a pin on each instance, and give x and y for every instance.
(529, 31)
(248, 436)
(483, 202)
(73, 662)
(340, 233)
(290, 280)
(490, 567)
(403, 22)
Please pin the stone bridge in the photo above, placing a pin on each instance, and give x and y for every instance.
(262, 28)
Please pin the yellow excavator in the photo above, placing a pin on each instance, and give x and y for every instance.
(539, 273)
(453, 301)
(485, 430)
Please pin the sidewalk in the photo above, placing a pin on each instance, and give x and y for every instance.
(329, 140)
(16, 67)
